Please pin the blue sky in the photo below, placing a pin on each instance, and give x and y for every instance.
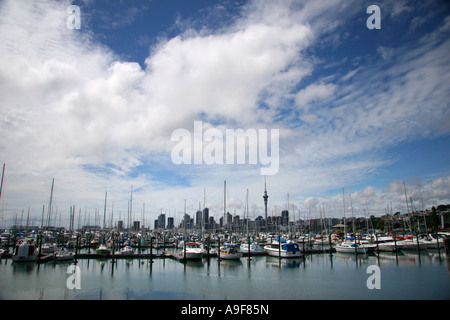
(95, 108)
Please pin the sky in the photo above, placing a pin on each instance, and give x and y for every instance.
(361, 112)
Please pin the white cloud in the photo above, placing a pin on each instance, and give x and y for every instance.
(314, 92)
(71, 109)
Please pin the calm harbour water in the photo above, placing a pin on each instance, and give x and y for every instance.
(317, 276)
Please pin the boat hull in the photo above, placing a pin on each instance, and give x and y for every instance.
(194, 255)
(350, 249)
(64, 256)
(230, 256)
(412, 245)
(285, 250)
(282, 253)
(390, 246)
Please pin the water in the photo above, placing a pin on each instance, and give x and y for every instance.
(317, 276)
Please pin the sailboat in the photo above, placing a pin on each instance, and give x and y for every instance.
(103, 249)
(350, 247)
(253, 248)
(63, 255)
(127, 251)
(230, 251)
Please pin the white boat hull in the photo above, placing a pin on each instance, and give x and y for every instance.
(64, 256)
(273, 252)
(127, 251)
(254, 249)
(390, 246)
(286, 250)
(347, 248)
(194, 255)
(230, 256)
(412, 245)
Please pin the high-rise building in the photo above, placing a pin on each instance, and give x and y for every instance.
(198, 219)
(162, 221)
(285, 217)
(170, 223)
(206, 218)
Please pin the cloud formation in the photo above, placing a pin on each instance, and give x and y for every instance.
(75, 110)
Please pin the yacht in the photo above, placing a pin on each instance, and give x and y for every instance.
(411, 244)
(194, 251)
(63, 255)
(127, 250)
(350, 247)
(436, 241)
(390, 246)
(103, 249)
(229, 252)
(284, 249)
(253, 248)
(26, 251)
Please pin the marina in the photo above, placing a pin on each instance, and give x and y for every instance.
(270, 258)
(314, 276)
(166, 273)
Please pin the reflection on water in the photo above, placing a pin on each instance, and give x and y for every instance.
(284, 263)
(316, 276)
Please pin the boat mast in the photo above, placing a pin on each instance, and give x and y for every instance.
(1, 184)
(407, 207)
(104, 212)
(246, 209)
(224, 204)
(345, 225)
(131, 208)
(49, 212)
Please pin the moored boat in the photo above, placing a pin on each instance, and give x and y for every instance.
(350, 247)
(253, 248)
(436, 241)
(127, 251)
(413, 244)
(193, 251)
(390, 246)
(103, 249)
(63, 255)
(283, 249)
(230, 252)
(26, 251)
